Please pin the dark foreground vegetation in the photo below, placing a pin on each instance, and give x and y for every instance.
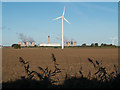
(100, 79)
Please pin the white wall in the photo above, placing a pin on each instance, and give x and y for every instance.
(49, 45)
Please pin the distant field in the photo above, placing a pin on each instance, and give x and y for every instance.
(69, 59)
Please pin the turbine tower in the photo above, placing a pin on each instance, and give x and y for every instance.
(62, 25)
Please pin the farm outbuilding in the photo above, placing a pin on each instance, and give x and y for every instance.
(49, 45)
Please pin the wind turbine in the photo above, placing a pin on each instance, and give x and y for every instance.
(62, 25)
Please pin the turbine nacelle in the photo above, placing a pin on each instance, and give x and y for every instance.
(62, 16)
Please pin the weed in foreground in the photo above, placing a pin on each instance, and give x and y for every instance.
(44, 74)
(101, 78)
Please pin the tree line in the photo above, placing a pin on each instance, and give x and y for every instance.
(17, 46)
(96, 45)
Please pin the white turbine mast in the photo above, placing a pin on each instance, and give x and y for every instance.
(62, 25)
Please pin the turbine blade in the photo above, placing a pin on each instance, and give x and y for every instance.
(64, 11)
(66, 20)
(57, 18)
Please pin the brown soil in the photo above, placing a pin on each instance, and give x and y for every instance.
(70, 59)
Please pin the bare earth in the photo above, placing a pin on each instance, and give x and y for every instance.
(69, 59)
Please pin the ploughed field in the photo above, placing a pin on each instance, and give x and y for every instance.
(70, 60)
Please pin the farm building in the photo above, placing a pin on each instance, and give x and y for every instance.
(49, 45)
